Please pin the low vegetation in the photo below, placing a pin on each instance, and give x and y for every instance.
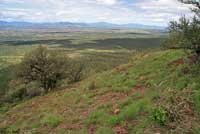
(77, 59)
(156, 92)
(39, 72)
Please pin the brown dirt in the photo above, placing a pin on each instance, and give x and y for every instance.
(120, 130)
(177, 62)
(186, 71)
(191, 60)
(111, 97)
(156, 130)
(137, 89)
(121, 69)
(92, 129)
(114, 97)
(74, 126)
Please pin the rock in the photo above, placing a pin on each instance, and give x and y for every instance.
(116, 111)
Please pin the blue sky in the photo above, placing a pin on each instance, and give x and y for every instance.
(149, 12)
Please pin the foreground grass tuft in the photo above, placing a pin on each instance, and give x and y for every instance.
(51, 120)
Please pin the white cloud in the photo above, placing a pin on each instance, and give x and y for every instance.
(107, 2)
(154, 12)
(163, 5)
(165, 10)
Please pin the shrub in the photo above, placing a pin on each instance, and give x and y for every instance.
(17, 93)
(179, 105)
(34, 89)
(76, 71)
(43, 69)
(159, 115)
(44, 66)
(3, 108)
(184, 34)
(5, 77)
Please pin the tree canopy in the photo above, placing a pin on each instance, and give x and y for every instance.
(185, 33)
(44, 66)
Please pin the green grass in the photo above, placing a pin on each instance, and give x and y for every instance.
(99, 49)
(51, 120)
(105, 130)
(135, 89)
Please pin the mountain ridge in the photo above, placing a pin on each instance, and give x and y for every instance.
(74, 24)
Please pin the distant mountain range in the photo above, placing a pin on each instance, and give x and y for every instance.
(70, 24)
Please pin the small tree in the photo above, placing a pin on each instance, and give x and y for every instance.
(45, 66)
(76, 71)
(185, 33)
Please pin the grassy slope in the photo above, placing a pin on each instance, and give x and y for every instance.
(120, 100)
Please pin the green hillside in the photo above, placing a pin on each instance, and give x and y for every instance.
(156, 92)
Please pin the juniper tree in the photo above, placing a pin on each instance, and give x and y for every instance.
(185, 33)
(44, 66)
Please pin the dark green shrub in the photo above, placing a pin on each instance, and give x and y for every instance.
(184, 34)
(159, 115)
(17, 93)
(34, 89)
(48, 67)
(5, 77)
(75, 72)
(44, 66)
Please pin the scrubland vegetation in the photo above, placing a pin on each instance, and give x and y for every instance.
(101, 82)
(25, 66)
(155, 92)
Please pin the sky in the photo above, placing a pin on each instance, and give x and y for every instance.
(148, 12)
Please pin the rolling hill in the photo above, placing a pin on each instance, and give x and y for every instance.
(156, 92)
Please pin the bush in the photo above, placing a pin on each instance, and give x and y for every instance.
(17, 93)
(44, 66)
(160, 115)
(184, 34)
(34, 89)
(41, 71)
(76, 71)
